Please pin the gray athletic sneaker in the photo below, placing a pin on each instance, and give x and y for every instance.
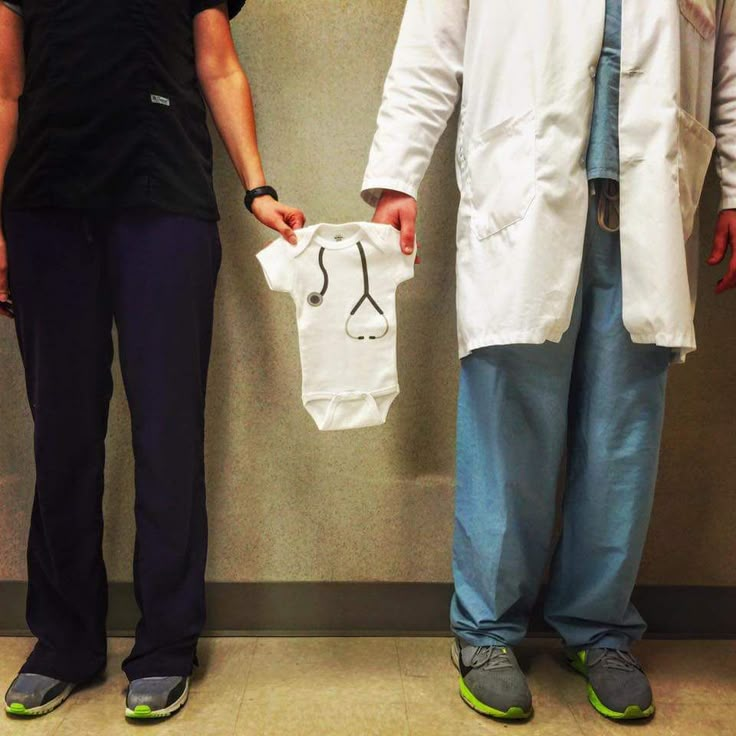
(617, 685)
(491, 681)
(156, 697)
(35, 695)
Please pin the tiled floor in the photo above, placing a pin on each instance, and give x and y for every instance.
(391, 687)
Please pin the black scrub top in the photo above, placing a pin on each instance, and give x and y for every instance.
(112, 114)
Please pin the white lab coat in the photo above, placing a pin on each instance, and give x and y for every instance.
(524, 72)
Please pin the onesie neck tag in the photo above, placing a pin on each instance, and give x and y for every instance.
(339, 237)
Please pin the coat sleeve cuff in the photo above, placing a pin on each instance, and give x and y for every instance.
(373, 188)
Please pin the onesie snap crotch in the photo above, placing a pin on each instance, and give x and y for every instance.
(350, 409)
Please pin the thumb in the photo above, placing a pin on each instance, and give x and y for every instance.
(408, 235)
(286, 232)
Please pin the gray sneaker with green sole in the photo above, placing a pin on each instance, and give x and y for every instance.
(617, 685)
(35, 695)
(156, 697)
(491, 681)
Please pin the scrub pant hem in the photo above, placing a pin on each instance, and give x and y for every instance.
(64, 666)
(158, 667)
(483, 640)
(606, 642)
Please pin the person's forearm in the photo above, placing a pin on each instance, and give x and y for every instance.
(227, 92)
(231, 105)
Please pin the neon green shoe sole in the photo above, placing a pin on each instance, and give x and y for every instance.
(18, 709)
(144, 712)
(512, 714)
(632, 712)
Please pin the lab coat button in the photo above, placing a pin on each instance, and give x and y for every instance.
(593, 71)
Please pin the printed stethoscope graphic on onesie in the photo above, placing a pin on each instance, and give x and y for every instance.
(316, 298)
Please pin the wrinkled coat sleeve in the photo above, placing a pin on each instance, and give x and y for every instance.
(420, 95)
(723, 120)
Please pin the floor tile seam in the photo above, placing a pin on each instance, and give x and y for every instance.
(403, 688)
(243, 698)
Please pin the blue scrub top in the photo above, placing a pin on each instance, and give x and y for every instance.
(603, 148)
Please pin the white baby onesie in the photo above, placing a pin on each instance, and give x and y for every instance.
(343, 280)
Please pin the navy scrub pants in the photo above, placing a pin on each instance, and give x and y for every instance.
(72, 273)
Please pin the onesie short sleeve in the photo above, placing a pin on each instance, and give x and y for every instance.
(278, 265)
(233, 6)
(404, 264)
(16, 6)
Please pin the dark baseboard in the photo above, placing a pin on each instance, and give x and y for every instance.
(383, 609)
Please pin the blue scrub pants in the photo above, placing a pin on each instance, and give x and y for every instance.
(601, 397)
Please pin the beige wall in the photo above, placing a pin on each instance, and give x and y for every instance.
(290, 503)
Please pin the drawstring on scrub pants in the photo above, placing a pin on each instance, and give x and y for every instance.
(609, 212)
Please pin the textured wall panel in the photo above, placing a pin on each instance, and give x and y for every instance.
(288, 503)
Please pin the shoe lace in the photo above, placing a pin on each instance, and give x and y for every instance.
(491, 658)
(615, 659)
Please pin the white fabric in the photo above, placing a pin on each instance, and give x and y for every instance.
(349, 372)
(524, 72)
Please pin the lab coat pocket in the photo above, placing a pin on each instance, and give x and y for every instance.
(696, 144)
(701, 14)
(501, 174)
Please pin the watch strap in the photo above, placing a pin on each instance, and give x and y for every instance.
(252, 194)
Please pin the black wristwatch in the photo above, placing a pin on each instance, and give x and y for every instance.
(252, 194)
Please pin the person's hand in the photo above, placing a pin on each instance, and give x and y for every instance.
(279, 217)
(400, 211)
(724, 239)
(6, 306)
